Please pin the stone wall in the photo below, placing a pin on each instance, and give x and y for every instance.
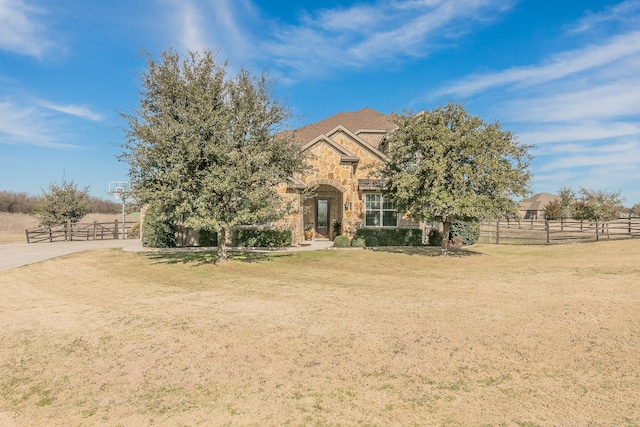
(335, 179)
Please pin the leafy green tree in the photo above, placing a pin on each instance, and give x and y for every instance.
(635, 209)
(598, 205)
(207, 147)
(62, 203)
(446, 165)
(553, 210)
(567, 202)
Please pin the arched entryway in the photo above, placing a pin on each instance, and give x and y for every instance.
(323, 210)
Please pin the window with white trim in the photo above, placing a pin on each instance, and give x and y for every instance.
(380, 211)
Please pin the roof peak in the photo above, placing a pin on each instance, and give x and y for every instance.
(365, 118)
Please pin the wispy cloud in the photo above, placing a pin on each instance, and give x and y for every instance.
(30, 125)
(323, 40)
(616, 156)
(80, 111)
(189, 20)
(580, 108)
(590, 165)
(627, 11)
(21, 29)
(603, 102)
(222, 24)
(580, 131)
(562, 65)
(378, 33)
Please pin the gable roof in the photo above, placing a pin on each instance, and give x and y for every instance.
(364, 144)
(537, 201)
(345, 155)
(366, 119)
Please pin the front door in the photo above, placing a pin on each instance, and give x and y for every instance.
(322, 217)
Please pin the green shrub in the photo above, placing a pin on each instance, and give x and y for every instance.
(435, 237)
(342, 242)
(207, 238)
(134, 231)
(158, 230)
(358, 242)
(469, 231)
(371, 241)
(252, 237)
(393, 236)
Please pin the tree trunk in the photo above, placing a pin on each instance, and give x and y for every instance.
(446, 228)
(222, 245)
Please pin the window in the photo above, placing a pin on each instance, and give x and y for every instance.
(380, 211)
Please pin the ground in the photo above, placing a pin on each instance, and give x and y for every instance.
(497, 335)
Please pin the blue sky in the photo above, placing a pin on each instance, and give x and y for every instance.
(562, 75)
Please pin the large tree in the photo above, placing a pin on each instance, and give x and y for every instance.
(206, 147)
(446, 165)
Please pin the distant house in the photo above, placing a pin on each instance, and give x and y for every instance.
(338, 189)
(534, 206)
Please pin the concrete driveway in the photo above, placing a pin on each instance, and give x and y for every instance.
(19, 254)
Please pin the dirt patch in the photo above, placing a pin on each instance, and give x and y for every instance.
(505, 336)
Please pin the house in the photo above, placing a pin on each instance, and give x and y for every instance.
(338, 188)
(534, 206)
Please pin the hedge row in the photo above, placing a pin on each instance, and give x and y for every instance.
(392, 236)
(468, 231)
(251, 237)
(345, 242)
(159, 232)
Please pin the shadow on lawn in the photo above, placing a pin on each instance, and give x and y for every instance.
(209, 257)
(432, 251)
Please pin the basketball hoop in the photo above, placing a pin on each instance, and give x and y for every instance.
(121, 190)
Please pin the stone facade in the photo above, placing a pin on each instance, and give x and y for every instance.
(341, 160)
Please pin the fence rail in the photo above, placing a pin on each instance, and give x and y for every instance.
(534, 231)
(80, 231)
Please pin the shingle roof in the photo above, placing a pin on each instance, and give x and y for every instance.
(537, 201)
(354, 121)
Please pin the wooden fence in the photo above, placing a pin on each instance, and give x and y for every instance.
(534, 231)
(80, 231)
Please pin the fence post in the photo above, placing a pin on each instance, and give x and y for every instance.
(26, 231)
(115, 230)
(546, 227)
(95, 232)
(561, 224)
(50, 236)
(497, 232)
(69, 231)
(629, 225)
(597, 233)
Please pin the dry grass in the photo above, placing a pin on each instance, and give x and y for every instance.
(12, 225)
(513, 336)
